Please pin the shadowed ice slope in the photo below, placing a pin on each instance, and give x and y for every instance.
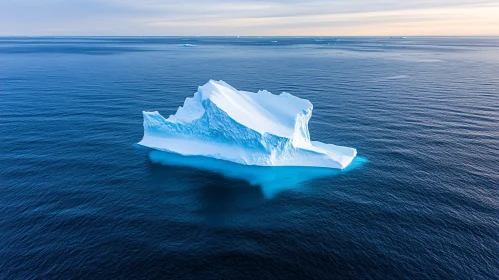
(243, 127)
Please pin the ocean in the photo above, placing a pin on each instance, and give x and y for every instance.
(80, 200)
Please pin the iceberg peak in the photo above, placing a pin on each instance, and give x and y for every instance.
(250, 128)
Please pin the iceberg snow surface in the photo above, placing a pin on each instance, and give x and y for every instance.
(249, 128)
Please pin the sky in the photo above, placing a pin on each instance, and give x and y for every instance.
(249, 17)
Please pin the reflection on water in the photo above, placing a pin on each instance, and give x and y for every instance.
(272, 180)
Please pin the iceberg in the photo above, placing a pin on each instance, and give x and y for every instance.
(260, 129)
(271, 180)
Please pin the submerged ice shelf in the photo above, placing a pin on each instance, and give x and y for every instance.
(249, 128)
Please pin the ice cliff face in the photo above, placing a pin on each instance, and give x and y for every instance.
(243, 127)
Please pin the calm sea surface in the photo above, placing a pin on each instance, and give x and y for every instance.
(79, 200)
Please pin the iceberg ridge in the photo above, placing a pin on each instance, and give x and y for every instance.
(244, 127)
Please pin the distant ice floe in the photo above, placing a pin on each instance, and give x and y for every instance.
(187, 45)
(260, 129)
(398, 77)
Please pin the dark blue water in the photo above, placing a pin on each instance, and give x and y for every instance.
(79, 201)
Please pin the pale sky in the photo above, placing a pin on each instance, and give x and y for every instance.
(249, 17)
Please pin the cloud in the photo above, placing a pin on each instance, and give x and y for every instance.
(245, 17)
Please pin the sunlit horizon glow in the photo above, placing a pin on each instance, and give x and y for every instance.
(249, 18)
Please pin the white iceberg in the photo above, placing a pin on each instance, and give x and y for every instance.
(248, 128)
